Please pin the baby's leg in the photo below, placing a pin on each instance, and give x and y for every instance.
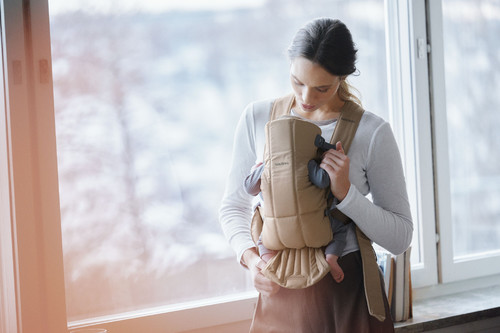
(335, 269)
(335, 248)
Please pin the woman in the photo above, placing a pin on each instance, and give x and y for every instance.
(322, 55)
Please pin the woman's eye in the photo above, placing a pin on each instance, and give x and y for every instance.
(322, 90)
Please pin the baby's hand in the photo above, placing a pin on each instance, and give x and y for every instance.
(267, 256)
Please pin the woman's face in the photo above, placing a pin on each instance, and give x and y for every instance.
(313, 86)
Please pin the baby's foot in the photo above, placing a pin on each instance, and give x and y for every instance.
(335, 269)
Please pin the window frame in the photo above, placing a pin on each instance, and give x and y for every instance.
(8, 319)
(452, 269)
(32, 275)
(410, 118)
(33, 270)
(221, 311)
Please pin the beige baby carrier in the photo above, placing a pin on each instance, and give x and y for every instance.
(294, 209)
(293, 219)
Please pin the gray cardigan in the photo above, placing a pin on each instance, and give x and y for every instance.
(375, 168)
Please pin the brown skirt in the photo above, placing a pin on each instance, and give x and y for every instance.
(325, 307)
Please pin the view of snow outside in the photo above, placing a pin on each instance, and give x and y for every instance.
(472, 69)
(146, 104)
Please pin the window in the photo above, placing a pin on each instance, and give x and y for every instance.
(466, 121)
(146, 100)
(144, 104)
(471, 72)
(410, 118)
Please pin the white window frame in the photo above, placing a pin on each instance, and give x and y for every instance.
(33, 268)
(8, 317)
(410, 117)
(32, 275)
(452, 268)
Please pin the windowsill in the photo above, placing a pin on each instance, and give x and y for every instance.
(189, 316)
(450, 310)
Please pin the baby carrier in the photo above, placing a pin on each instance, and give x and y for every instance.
(294, 210)
(293, 220)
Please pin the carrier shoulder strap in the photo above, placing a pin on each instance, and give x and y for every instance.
(344, 132)
(282, 106)
(347, 125)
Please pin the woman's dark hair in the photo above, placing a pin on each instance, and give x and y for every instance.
(328, 43)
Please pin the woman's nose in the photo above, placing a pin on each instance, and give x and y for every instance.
(306, 95)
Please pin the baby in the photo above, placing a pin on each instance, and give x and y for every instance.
(319, 177)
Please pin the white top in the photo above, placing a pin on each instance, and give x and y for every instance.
(375, 167)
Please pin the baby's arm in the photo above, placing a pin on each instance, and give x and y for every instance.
(252, 181)
(317, 175)
(337, 245)
(264, 252)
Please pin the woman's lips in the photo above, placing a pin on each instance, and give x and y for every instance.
(308, 107)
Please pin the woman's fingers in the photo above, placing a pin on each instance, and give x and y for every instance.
(340, 148)
(334, 159)
(263, 285)
(336, 164)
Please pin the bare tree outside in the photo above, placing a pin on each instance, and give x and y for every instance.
(146, 105)
(472, 53)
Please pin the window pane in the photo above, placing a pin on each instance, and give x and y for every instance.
(472, 69)
(146, 101)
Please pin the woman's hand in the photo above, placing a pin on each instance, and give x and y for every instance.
(336, 164)
(255, 264)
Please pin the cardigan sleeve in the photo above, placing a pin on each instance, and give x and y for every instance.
(236, 208)
(387, 219)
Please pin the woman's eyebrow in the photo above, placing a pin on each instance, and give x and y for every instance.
(295, 78)
(318, 87)
(324, 87)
